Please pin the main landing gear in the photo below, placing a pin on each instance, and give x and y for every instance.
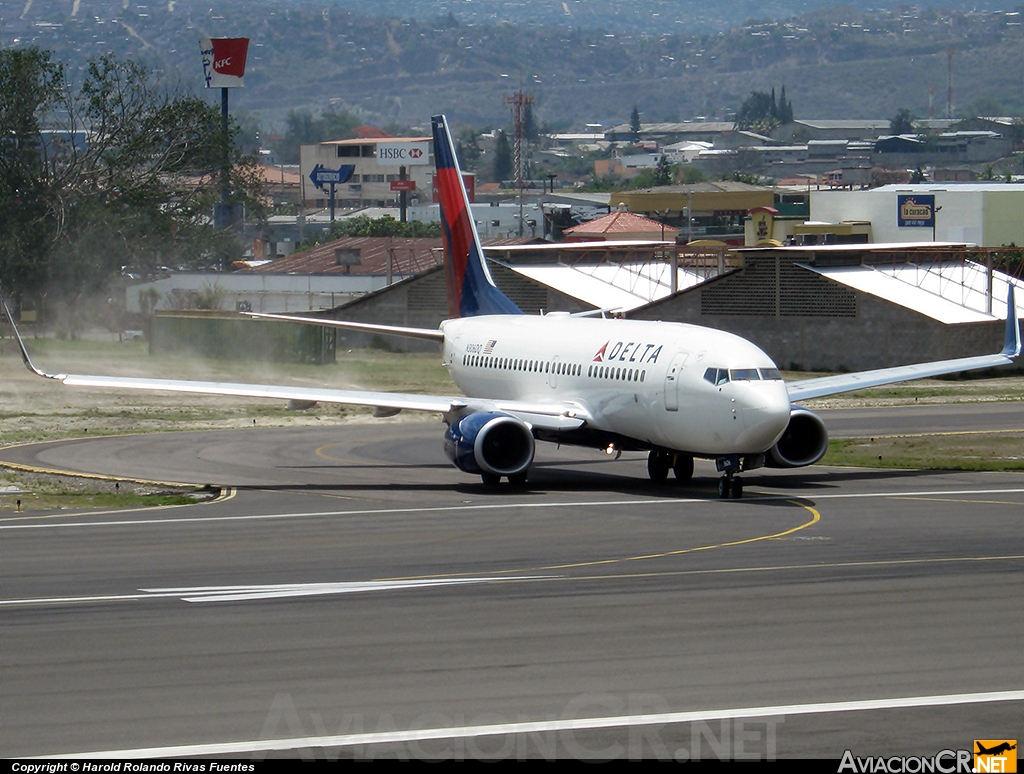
(660, 462)
(493, 479)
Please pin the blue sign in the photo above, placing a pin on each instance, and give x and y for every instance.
(322, 176)
(915, 210)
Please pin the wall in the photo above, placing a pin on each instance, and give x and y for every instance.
(877, 334)
(232, 337)
(961, 219)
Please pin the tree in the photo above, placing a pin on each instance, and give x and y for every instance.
(761, 112)
(634, 124)
(304, 129)
(530, 131)
(663, 172)
(755, 114)
(384, 226)
(116, 171)
(785, 109)
(502, 169)
(29, 84)
(902, 122)
(468, 149)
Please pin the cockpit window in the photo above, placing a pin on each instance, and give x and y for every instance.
(744, 375)
(771, 373)
(716, 376)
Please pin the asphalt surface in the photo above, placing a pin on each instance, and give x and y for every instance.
(351, 582)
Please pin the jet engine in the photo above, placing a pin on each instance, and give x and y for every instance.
(804, 441)
(490, 442)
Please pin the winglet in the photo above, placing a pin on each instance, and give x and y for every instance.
(471, 289)
(24, 352)
(1012, 345)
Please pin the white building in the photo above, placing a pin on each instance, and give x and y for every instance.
(989, 214)
(369, 167)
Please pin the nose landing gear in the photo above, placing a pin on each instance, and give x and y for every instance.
(730, 485)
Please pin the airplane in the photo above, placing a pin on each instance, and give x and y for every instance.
(677, 391)
(999, 749)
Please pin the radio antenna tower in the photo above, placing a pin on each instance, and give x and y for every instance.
(518, 101)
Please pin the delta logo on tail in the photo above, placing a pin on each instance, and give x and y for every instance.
(471, 290)
(991, 755)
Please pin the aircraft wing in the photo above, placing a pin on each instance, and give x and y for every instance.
(832, 385)
(554, 416)
(431, 334)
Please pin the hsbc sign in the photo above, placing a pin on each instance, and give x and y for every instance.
(403, 153)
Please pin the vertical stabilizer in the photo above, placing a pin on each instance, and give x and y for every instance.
(471, 291)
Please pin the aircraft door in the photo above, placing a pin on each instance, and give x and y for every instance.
(553, 373)
(675, 370)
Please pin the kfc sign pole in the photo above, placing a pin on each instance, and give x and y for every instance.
(224, 68)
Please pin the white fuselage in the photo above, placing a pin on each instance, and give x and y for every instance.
(670, 385)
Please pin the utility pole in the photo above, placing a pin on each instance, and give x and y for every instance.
(950, 52)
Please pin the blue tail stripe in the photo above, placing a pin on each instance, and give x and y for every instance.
(474, 292)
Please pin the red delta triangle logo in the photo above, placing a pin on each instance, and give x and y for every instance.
(599, 357)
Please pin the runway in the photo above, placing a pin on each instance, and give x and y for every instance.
(353, 595)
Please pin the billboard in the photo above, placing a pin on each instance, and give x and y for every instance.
(915, 210)
(224, 61)
(403, 153)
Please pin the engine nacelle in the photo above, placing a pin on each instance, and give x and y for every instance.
(804, 442)
(490, 442)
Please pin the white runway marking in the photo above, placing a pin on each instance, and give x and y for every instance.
(813, 497)
(271, 591)
(572, 724)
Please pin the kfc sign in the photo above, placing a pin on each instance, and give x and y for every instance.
(224, 61)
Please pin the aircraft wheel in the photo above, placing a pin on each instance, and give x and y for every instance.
(737, 489)
(658, 463)
(724, 487)
(490, 479)
(683, 468)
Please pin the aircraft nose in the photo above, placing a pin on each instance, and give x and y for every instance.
(766, 417)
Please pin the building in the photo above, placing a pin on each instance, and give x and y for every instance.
(700, 210)
(369, 167)
(980, 213)
(852, 308)
(321, 277)
(621, 225)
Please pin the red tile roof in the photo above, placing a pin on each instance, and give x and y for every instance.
(410, 256)
(371, 132)
(622, 223)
